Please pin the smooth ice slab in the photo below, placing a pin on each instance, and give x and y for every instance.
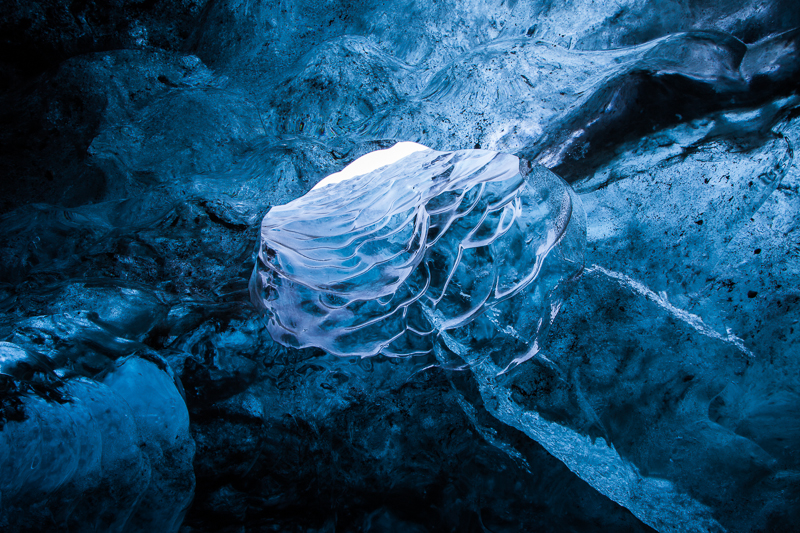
(407, 243)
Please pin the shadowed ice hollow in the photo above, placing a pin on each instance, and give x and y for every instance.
(409, 242)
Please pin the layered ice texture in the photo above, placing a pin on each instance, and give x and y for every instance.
(140, 156)
(111, 453)
(397, 249)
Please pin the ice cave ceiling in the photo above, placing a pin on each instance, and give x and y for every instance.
(609, 197)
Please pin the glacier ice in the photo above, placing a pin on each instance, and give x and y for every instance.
(143, 143)
(111, 453)
(408, 243)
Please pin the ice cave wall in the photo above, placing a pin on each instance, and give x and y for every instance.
(143, 142)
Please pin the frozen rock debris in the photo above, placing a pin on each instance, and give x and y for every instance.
(409, 245)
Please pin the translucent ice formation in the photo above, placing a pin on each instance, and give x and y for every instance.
(111, 454)
(407, 243)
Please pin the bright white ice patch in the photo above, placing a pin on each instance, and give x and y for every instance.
(373, 161)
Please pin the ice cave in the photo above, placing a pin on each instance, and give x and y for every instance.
(426, 266)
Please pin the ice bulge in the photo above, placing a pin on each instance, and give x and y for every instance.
(408, 246)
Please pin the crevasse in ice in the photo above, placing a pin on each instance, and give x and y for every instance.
(409, 242)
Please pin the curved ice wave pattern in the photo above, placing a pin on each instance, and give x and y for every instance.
(155, 167)
(108, 453)
(384, 261)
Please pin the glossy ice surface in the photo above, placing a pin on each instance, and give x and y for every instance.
(385, 261)
(143, 143)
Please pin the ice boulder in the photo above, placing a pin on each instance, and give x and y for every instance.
(113, 453)
(409, 245)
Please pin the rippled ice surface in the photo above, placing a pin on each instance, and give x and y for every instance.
(142, 390)
(434, 244)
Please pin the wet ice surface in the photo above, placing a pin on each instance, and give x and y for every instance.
(665, 394)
